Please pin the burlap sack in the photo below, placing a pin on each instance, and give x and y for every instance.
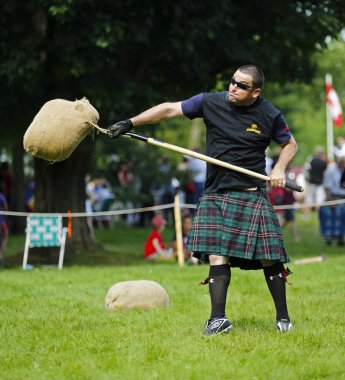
(142, 294)
(58, 128)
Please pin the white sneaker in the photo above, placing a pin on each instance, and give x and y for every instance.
(284, 325)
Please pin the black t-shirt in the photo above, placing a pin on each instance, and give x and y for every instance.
(238, 135)
(316, 171)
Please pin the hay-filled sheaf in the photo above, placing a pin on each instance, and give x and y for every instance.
(58, 128)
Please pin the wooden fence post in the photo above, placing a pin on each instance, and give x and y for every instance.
(178, 229)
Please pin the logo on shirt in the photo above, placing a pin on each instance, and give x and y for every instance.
(253, 128)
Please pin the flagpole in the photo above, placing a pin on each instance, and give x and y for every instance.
(329, 121)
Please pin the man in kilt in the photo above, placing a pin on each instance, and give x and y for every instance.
(235, 225)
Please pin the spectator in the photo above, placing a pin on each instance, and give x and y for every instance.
(287, 217)
(102, 197)
(125, 176)
(29, 194)
(154, 245)
(185, 182)
(3, 226)
(281, 196)
(187, 221)
(143, 194)
(163, 191)
(332, 218)
(198, 169)
(339, 149)
(126, 180)
(269, 162)
(89, 218)
(314, 171)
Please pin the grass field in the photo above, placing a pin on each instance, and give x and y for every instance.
(53, 324)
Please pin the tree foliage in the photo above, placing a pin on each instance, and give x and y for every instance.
(127, 55)
(304, 104)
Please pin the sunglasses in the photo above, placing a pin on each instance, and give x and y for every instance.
(240, 85)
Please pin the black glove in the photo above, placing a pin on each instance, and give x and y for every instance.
(120, 128)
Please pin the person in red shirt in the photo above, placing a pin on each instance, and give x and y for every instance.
(154, 245)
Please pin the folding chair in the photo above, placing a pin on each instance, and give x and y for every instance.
(45, 231)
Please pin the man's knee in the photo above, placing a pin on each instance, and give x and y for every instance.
(218, 260)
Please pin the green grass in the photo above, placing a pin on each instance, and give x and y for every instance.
(54, 325)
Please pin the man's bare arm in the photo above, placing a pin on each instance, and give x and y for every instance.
(288, 152)
(158, 113)
(152, 115)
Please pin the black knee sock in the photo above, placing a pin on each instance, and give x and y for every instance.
(276, 284)
(219, 281)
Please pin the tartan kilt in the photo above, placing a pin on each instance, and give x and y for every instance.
(240, 224)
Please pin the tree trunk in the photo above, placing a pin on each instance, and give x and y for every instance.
(60, 187)
(17, 202)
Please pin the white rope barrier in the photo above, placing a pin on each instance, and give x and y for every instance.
(156, 208)
(95, 213)
(309, 205)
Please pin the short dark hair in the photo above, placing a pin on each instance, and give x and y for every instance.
(256, 73)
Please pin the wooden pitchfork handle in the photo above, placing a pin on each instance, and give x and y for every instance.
(203, 157)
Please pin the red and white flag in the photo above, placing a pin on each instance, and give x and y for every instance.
(334, 104)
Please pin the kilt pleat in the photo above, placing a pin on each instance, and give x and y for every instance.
(239, 224)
